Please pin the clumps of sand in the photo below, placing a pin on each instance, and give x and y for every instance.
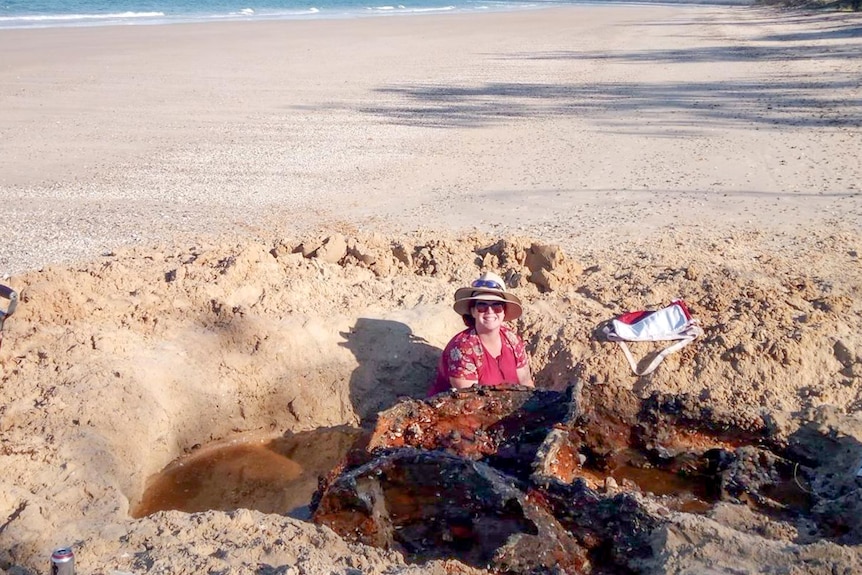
(112, 368)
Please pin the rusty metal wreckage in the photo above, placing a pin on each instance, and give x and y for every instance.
(519, 480)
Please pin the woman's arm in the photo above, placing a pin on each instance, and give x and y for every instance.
(525, 377)
(459, 363)
(460, 383)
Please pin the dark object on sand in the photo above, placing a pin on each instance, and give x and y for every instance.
(526, 481)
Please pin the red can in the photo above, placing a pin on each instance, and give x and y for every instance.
(63, 561)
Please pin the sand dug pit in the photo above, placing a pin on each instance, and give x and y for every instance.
(114, 368)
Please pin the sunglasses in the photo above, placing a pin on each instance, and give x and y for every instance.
(486, 284)
(483, 306)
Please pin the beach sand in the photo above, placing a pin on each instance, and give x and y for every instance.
(561, 124)
(163, 185)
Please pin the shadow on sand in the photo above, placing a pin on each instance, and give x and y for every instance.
(393, 363)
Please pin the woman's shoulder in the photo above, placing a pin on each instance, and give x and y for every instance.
(510, 334)
(462, 336)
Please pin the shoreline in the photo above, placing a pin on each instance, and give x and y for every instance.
(311, 14)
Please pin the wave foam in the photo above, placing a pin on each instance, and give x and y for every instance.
(80, 17)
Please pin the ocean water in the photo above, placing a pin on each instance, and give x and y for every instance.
(54, 13)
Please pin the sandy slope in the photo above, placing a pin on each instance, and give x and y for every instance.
(709, 153)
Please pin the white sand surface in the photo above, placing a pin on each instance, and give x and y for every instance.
(569, 124)
(164, 188)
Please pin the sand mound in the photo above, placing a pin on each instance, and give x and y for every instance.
(113, 368)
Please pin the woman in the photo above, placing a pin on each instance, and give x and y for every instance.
(487, 352)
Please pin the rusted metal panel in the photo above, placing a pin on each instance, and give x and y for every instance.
(523, 480)
(431, 504)
(503, 427)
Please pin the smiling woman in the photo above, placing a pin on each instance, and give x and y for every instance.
(487, 352)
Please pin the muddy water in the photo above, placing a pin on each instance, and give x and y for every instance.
(678, 491)
(272, 475)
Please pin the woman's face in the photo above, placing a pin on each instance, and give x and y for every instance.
(488, 315)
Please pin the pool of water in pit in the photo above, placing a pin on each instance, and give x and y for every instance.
(680, 493)
(689, 494)
(692, 492)
(271, 475)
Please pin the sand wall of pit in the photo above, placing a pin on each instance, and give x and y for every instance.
(113, 368)
(112, 371)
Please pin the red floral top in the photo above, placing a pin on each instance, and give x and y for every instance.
(466, 358)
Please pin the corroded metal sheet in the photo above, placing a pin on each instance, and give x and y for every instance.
(503, 427)
(526, 480)
(431, 504)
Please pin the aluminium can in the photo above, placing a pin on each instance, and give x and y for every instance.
(63, 561)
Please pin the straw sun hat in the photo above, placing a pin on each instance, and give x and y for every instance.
(489, 287)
